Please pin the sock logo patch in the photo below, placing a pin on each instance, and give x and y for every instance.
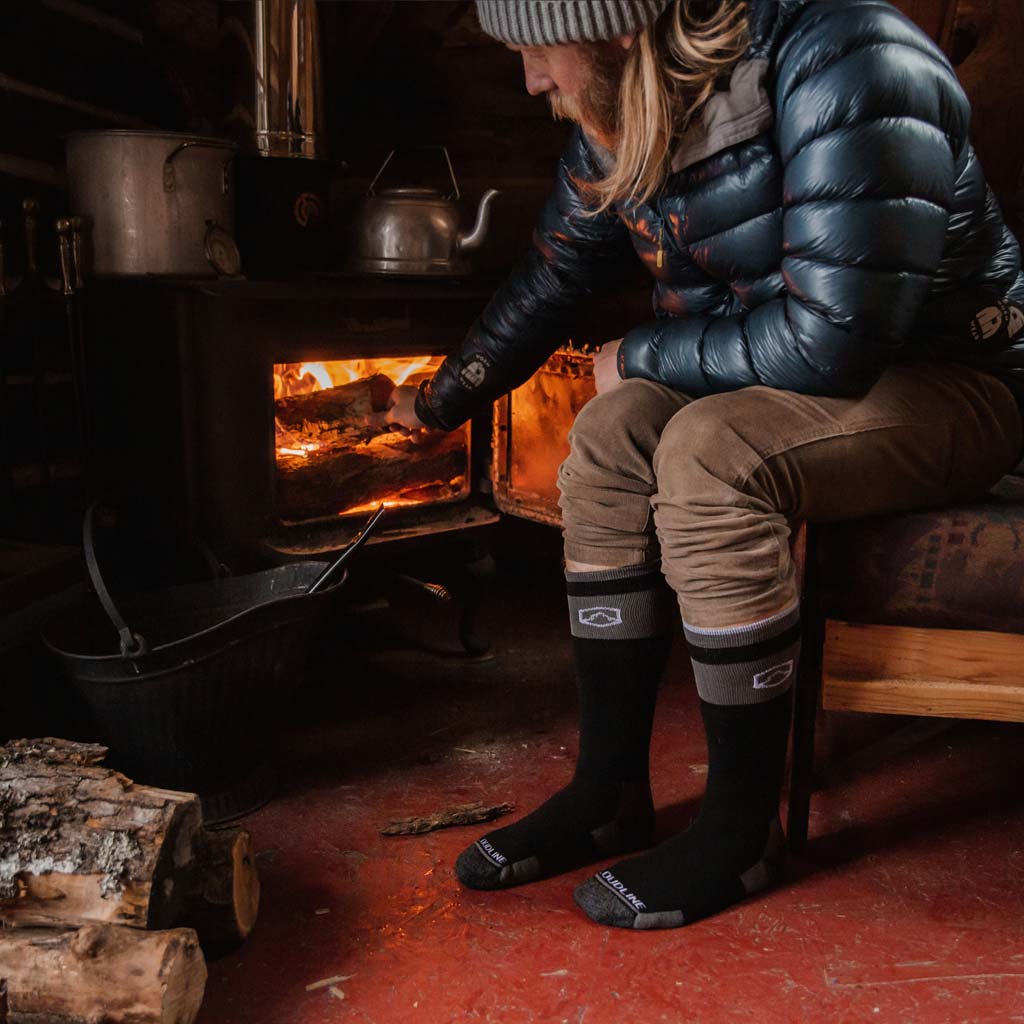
(622, 891)
(491, 852)
(601, 617)
(774, 676)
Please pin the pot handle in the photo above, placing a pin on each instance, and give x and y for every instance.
(132, 644)
(169, 183)
(454, 194)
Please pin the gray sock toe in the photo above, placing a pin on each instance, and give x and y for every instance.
(600, 904)
(475, 871)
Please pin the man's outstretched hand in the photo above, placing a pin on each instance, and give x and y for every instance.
(400, 416)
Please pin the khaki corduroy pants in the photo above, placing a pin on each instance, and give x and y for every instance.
(713, 486)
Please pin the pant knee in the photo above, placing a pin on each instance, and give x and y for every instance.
(614, 437)
(706, 457)
(723, 539)
(607, 480)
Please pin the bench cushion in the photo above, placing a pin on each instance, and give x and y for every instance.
(953, 568)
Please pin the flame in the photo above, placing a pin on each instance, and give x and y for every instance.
(303, 378)
(372, 506)
(410, 370)
(318, 372)
(295, 444)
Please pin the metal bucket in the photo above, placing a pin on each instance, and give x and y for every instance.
(154, 202)
(188, 696)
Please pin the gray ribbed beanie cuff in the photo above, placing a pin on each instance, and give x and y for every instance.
(551, 22)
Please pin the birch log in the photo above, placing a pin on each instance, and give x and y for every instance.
(80, 843)
(101, 974)
(338, 415)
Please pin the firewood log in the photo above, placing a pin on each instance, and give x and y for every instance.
(101, 973)
(389, 467)
(80, 843)
(225, 897)
(333, 415)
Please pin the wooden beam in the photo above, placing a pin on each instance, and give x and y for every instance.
(10, 84)
(901, 670)
(31, 170)
(98, 19)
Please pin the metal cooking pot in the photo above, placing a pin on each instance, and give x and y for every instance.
(415, 230)
(154, 202)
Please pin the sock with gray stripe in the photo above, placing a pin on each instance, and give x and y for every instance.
(622, 622)
(746, 664)
(735, 847)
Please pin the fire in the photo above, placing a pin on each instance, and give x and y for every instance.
(303, 378)
(318, 372)
(336, 456)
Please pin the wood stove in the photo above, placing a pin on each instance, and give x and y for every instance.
(243, 408)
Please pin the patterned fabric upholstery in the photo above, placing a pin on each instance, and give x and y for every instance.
(953, 568)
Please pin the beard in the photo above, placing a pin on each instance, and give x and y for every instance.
(596, 108)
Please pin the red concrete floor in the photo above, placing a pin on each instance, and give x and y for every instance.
(906, 908)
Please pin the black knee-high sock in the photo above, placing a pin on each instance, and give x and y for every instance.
(622, 622)
(735, 847)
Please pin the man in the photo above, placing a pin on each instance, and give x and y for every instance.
(838, 332)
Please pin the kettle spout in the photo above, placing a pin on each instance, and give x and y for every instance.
(467, 243)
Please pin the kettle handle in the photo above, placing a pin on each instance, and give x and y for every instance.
(455, 194)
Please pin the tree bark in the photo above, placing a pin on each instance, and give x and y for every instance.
(101, 973)
(80, 843)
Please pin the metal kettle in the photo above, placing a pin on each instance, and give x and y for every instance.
(415, 231)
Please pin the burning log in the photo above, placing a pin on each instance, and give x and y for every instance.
(117, 975)
(338, 415)
(390, 467)
(330, 444)
(82, 844)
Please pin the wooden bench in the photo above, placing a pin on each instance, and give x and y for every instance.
(919, 614)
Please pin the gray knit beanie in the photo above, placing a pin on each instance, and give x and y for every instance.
(550, 22)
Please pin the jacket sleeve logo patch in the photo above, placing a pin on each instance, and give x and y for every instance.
(474, 372)
(601, 617)
(1000, 322)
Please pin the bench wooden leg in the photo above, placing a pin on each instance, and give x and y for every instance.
(806, 699)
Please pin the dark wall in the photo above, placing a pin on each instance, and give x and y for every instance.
(101, 64)
(397, 73)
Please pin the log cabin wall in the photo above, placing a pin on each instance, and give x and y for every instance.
(424, 73)
(409, 73)
(68, 65)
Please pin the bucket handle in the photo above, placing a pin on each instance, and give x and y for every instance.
(132, 644)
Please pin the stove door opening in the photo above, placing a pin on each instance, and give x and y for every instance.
(332, 459)
(531, 431)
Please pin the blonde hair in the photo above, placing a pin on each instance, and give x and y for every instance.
(669, 75)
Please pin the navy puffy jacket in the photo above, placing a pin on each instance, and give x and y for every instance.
(826, 217)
